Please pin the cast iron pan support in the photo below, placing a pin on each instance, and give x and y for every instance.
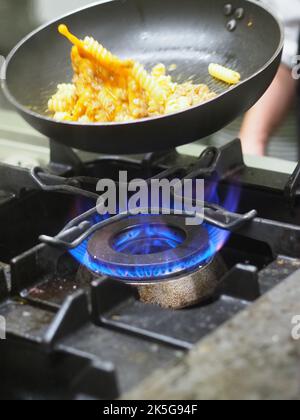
(63, 159)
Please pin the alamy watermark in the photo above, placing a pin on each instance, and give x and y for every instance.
(296, 67)
(296, 327)
(2, 68)
(2, 328)
(155, 197)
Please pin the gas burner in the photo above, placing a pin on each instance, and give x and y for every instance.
(143, 248)
(171, 264)
(68, 305)
(187, 290)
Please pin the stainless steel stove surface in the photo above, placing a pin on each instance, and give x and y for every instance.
(72, 333)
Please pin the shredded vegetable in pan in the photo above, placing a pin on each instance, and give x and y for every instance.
(108, 89)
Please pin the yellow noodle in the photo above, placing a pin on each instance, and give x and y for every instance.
(224, 74)
(106, 88)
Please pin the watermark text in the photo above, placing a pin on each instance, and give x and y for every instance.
(2, 68)
(296, 327)
(2, 328)
(154, 197)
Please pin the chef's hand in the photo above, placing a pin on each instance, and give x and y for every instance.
(264, 118)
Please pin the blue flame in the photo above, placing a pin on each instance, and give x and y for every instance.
(148, 239)
(159, 238)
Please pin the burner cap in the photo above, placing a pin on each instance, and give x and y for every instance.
(143, 248)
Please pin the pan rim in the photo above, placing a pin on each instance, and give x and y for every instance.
(25, 110)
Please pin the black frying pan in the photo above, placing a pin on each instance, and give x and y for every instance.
(189, 33)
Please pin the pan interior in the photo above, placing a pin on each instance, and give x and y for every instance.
(189, 33)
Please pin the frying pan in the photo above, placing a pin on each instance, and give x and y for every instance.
(189, 33)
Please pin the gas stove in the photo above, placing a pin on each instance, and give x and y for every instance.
(94, 305)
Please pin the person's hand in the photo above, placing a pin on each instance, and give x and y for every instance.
(263, 119)
(255, 147)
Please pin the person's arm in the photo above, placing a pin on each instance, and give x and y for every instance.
(261, 121)
(264, 118)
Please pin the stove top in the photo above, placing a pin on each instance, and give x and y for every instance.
(72, 330)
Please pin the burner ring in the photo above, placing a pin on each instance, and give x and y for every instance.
(187, 290)
(188, 255)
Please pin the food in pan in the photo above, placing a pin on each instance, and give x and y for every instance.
(224, 74)
(108, 89)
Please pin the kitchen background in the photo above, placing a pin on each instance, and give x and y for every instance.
(18, 17)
